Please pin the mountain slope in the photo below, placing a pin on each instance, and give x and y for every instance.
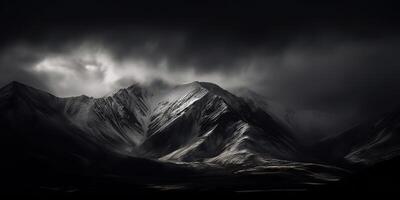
(191, 122)
(277, 111)
(146, 135)
(368, 143)
(36, 134)
(197, 116)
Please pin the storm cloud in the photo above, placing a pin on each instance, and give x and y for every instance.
(331, 71)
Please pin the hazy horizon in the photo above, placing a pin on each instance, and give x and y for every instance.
(333, 69)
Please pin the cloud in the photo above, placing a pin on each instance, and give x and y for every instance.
(332, 80)
(94, 67)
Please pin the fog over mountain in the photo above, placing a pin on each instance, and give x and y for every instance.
(328, 68)
(312, 75)
(195, 136)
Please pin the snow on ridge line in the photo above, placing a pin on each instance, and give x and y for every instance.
(181, 152)
(154, 102)
(163, 105)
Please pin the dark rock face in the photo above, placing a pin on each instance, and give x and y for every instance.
(153, 122)
(169, 135)
(365, 144)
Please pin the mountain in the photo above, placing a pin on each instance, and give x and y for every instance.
(191, 122)
(368, 143)
(307, 125)
(148, 135)
(28, 114)
(370, 150)
(257, 101)
(295, 122)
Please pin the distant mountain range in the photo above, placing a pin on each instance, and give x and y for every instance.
(157, 134)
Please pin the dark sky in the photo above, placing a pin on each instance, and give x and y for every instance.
(334, 63)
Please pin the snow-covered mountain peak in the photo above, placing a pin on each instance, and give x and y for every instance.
(196, 120)
(159, 92)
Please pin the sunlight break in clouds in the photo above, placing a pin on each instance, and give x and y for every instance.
(96, 73)
(90, 74)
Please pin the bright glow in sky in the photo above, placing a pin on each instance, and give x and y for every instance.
(97, 74)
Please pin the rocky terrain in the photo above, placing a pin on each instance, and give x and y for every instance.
(157, 137)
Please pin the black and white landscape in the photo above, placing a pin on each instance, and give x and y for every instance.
(189, 137)
(223, 96)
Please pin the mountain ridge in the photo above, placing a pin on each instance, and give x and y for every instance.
(189, 127)
(135, 119)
